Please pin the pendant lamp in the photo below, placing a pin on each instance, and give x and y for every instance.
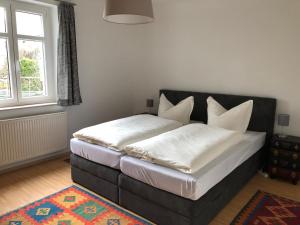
(128, 11)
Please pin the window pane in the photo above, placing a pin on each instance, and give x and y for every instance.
(5, 91)
(2, 20)
(29, 24)
(31, 56)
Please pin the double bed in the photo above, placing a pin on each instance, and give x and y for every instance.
(167, 196)
(96, 151)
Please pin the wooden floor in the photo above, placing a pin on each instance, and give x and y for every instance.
(27, 185)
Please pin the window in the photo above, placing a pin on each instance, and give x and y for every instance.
(27, 55)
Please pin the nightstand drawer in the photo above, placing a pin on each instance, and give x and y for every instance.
(284, 173)
(288, 164)
(284, 154)
(282, 144)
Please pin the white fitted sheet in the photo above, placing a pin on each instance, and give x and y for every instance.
(96, 153)
(193, 186)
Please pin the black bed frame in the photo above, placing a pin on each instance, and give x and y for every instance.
(165, 208)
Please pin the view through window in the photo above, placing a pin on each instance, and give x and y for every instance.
(26, 64)
(5, 91)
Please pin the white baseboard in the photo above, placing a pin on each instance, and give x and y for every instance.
(30, 162)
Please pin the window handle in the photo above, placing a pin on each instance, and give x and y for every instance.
(18, 67)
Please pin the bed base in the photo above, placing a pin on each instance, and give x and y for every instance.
(156, 205)
(100, 179)
(165, 208)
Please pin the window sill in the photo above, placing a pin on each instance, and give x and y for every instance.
(28, 106)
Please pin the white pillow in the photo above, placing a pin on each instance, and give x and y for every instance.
(237, 118)
(180, 112)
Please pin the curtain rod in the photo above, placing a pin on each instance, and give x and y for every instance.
(65, 1)
(54, 2)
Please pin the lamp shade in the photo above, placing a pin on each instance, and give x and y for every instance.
(128, 11)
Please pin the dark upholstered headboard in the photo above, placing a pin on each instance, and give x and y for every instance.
(263, 116)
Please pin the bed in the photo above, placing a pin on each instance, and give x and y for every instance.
(182, 206)
(97, 150)
(164, 207)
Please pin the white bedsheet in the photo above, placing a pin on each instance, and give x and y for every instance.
(96, 153)
(187, 148)
(193, 186)
(119, 133)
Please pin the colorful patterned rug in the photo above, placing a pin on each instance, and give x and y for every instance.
(269, 209)
(72, 206)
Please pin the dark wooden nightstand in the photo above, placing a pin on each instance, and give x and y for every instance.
(284, 158)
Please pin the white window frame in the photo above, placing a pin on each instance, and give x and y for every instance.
(9, 36)
(46, 12)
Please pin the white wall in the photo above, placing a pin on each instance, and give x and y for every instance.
(247, 47)
(106, 53)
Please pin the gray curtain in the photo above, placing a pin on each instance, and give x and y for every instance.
(67, 66)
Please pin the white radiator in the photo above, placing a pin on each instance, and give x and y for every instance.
(26, 138)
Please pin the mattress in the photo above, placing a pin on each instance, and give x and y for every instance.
(96, 153)
(193, 186)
